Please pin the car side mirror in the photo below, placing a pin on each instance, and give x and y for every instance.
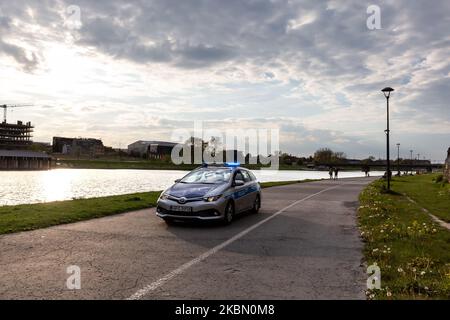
(178, 180)
(238, 183)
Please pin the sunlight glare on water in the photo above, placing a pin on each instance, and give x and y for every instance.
(56, 184)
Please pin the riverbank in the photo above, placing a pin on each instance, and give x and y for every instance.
(412, 251)
(121, 164)
(163, 165)
(41, 215)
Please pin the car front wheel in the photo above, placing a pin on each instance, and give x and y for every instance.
(229, 213)
(257, 204)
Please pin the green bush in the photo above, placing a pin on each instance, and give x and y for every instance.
(439, 178)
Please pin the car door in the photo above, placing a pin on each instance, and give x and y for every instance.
(250, 194)
(239, 192)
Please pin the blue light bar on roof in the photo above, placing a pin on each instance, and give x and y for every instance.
(232, 164)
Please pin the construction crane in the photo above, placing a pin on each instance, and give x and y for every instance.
(6, 106)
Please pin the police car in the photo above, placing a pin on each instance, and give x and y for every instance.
(211, 192)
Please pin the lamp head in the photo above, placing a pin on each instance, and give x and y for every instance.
(387, 91)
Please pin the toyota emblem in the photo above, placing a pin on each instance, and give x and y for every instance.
(182, 200)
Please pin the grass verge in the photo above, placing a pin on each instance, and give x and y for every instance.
(40, 215)
(428, 191)
(412, 251)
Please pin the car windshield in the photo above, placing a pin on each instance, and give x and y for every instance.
(208, 176)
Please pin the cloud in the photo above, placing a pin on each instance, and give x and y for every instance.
(28, 61)
(314, 61)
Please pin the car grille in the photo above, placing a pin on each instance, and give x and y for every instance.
(202, 213)
(186, 199)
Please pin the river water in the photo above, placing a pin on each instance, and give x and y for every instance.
(20, 187)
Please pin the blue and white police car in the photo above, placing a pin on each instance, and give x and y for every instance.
(211, 192)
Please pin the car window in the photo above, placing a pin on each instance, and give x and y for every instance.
(208, 176)
(239, 176)
(246, 176)
(252, 176)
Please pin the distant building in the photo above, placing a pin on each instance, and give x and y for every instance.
(151, 149)
(78, 146)
(138, 148)
(15, 142)
(15, 136)
(59, 143)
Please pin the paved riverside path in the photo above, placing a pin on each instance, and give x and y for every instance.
(309, 250)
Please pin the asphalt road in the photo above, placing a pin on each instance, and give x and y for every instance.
(304, 244)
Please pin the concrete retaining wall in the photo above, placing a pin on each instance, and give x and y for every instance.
(20, 163)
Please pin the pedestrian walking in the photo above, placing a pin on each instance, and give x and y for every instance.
(336, 172)
(330, 172)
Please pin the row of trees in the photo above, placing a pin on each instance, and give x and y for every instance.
(326, 155)
(323, 155)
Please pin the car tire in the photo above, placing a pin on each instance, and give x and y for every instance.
(229, 213)
(257, 204)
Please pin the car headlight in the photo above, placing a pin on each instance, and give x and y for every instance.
(163, 196)
(212, 199)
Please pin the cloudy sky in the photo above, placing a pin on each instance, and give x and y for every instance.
(123, 71)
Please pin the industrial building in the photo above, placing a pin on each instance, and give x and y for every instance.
(78, 146)
(15, 139)
(151, 149)
(15, 136)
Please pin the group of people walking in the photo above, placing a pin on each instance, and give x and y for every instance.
(334, 171)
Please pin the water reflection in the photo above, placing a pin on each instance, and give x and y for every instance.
(18, 187)
(56, 184)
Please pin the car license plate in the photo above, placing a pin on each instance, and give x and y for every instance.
(181, 209)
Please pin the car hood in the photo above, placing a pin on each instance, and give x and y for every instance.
(192, 190)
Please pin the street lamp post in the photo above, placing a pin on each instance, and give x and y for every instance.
(411, 151)
(398, 159)
(387, 93)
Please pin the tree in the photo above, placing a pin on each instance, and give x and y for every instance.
(323, 155)
(368, 160)
(326, 156)
(338, 157)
